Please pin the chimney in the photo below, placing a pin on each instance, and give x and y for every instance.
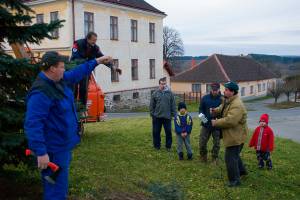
(193, 63)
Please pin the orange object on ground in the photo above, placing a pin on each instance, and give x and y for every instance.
(95, 101)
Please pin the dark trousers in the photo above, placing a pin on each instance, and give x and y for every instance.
(82, 86)
(203, 140)
(234, 163)
(157, 123)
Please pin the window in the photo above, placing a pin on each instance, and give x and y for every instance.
(208, 88)
(264, 86)
(152, 68)
(133, 30)
(39, 18)
(259, 87)
(135, 95)
(251, 89)
(114, 73)
(151, 32)
(196, 87)
(134, 69)
(54, 17)
(243, 91)
(116, 97)
(113, 28)
(88, 22)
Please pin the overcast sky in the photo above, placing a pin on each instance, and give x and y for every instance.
(235, 26)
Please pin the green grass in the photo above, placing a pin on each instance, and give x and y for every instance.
(284, 105)
(116, 158)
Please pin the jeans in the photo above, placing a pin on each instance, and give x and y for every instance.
(157, 123)
(186, 142)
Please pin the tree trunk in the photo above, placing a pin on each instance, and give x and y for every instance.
(276, 98)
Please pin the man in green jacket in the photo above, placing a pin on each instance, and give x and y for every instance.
(233, 123)
(162, 109)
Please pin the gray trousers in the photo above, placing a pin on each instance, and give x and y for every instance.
(203, 140)
(186, 141)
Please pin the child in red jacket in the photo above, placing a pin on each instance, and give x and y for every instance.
(263, 141)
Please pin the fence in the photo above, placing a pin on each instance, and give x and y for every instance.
(189, 97)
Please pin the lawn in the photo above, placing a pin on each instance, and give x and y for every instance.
(284, 105)
(116, 157)
(116, 161)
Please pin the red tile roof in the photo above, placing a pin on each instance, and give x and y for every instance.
(221, 68)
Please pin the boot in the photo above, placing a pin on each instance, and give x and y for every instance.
(261, 163)
(203, 158)
(180, 155)
(269, 164)
(190, 156)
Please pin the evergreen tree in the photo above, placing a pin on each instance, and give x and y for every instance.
(16, 75)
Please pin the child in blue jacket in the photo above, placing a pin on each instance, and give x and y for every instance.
(183, 128)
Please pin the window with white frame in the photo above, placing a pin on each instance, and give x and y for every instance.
(243, 91)
(152, 68)
(88, 22)
(54, 17)
(114, 73)
(259, 87)
(113, 28)
(134, 69)
(134, 30)
(40, 18)
(196, 87)
(152, 32)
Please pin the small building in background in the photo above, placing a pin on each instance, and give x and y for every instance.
(253, 78)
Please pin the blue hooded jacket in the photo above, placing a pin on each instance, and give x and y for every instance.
(183, 123)
(51, 118)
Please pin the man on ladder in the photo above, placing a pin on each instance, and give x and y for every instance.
(86, 49)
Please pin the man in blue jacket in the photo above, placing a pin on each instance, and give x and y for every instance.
(211, 100)
(51, 120)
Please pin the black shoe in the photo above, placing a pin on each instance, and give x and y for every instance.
(243, 173)
(157, 148)
(234, 184)
(180, 155)
(190, 156)
(261, 164)
(269, 164)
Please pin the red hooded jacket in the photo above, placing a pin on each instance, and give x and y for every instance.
(266, 141)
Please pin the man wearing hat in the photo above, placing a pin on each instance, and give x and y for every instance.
(211, 100)
(51, 121)
(233, 123)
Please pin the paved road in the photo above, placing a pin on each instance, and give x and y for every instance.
(285, 123)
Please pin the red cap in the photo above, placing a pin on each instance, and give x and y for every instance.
(264, 118)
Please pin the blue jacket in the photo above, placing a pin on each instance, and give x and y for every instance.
(209, 101)
(183, 123)
(51, 118)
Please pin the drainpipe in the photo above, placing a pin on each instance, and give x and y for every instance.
(73, 20)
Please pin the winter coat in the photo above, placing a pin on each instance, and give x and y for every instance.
(263, 137)
(233, 121)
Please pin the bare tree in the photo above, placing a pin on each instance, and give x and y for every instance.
(173, 45)
(276, 90)
(288, 88)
